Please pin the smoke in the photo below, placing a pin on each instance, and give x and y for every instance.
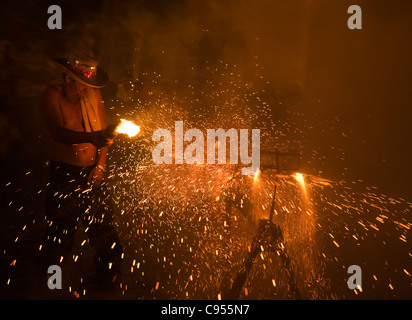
(177, 39)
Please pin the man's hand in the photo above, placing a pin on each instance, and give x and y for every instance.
(95, 176)
(100, 139)
(110, 131)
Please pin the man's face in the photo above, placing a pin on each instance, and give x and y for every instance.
(78, 89)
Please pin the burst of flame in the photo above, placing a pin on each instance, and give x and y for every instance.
(256, 176)
(127, 127)
(299, 178)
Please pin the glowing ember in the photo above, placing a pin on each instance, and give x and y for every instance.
(127, 127)
(176, 220)
(256, 175)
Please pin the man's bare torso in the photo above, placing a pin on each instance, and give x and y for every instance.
(83, 154)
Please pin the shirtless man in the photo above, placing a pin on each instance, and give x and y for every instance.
(70, 143)
(75, 117)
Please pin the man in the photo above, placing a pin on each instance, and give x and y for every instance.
(75, 117)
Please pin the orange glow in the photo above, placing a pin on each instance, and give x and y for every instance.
(127, 127)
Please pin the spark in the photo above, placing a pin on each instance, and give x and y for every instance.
(300, 179)
(128, 127)
(168, 214)
(256, 175)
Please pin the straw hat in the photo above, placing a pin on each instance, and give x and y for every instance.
(84, 69)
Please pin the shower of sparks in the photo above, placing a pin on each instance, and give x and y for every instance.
(256, 175)
(128, 127)
(186, 229)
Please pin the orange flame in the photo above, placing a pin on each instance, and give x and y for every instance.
(299, 178)
(127, 127)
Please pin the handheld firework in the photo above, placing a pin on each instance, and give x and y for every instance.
(127, 127)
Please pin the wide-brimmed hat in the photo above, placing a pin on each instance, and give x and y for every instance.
(83, 68)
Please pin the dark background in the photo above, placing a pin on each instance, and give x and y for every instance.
(352, 86)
